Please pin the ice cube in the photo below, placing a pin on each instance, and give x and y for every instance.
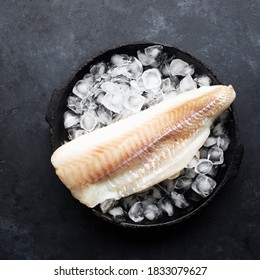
(117, 212)
(110, 87)
(169, 84)
(219, 129)
(82, 88)
(70, 119)
(107, 205)
(117, 71)
(153, 51)
(145, 59)
(151, 78)
(99, 95)
(136, 212)
(89, 79)
(166, 85)
(156, 192)
(134, 101)
(177, 67)
(134, 85)
(135, 69)
(203, 80)
(104, 115)
(88, 121)
(74, 103)
(187, 84)
(204, 166)
(113, 101)
(152, 212)
(193, 162)
(137, 85)
(140, 84)
(166, 70)
(131, 68)
(204, 152)
(120, 59)
(189, 173)
(124, 89)
(189, 70)
(179, 200)
(223, 142)
(128, 201)
(203, 185)
(170, 185)
(98, 69)
(216, 155)
(165, 205)
(210, 141)
(183, 183)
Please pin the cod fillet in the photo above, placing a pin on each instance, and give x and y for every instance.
(135, 153)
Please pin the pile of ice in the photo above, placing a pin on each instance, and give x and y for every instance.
(126, 85)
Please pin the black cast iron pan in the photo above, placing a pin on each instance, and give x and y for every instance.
(233, 155)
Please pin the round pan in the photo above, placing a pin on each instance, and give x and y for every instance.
(233, 155)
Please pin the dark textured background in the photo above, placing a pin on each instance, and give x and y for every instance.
(42, 42)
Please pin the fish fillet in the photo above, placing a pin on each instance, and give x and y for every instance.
(135, 153)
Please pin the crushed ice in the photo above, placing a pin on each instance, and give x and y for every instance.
(126, 85)
(203, 185)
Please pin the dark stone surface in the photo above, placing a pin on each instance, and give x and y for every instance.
(42, 42)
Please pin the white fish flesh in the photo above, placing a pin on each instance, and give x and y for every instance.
(142, 150)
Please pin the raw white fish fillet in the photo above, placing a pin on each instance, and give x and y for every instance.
(135, 153)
